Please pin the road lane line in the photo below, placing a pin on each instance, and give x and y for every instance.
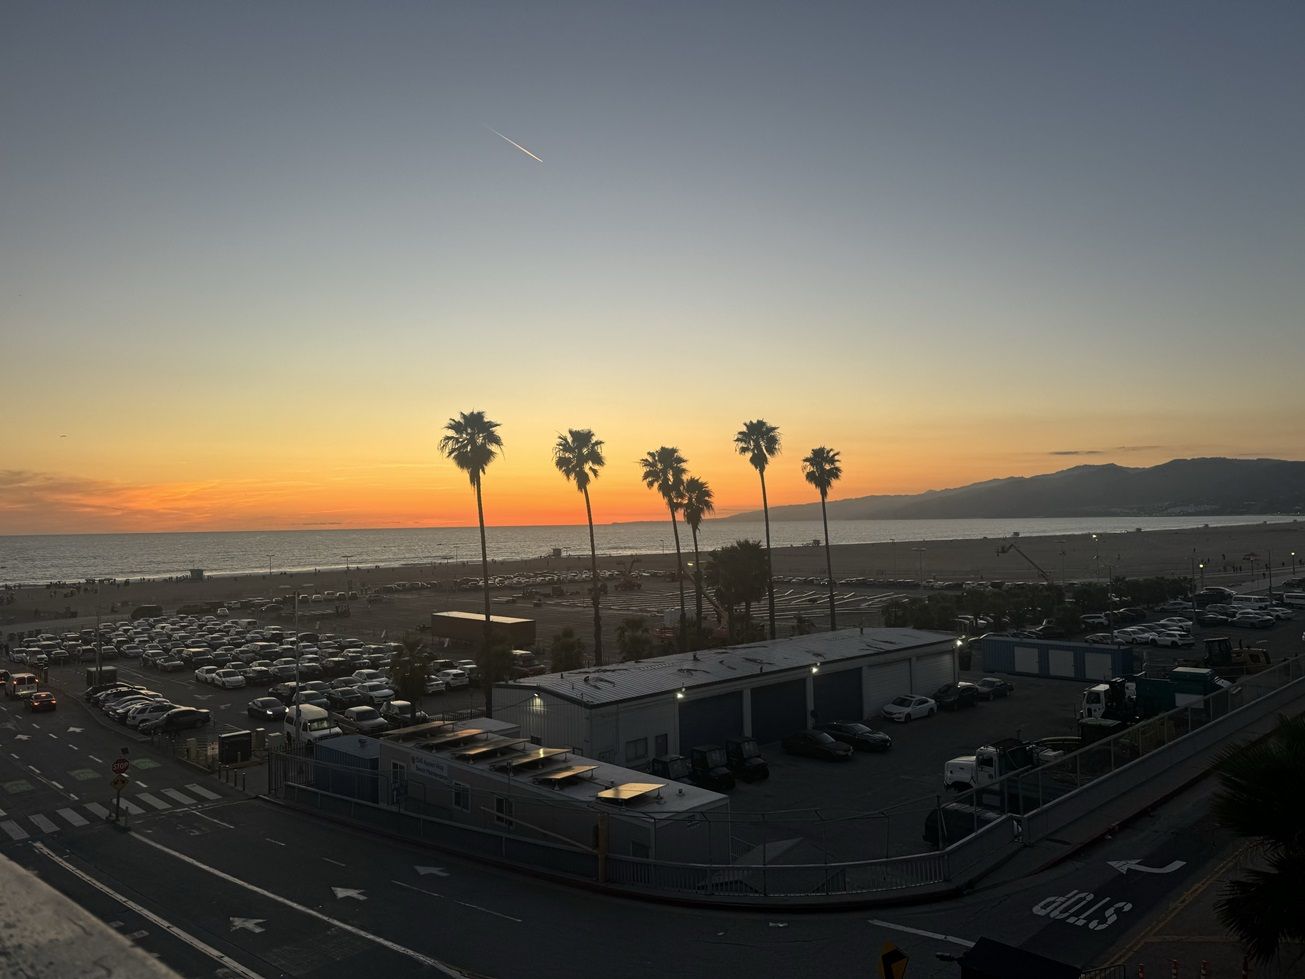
(154, 801)
(327, 859)
(74, 817)
(35, 769)
(45, 825)
(148, 915)
(3, 814)
(94, 759)
(465, 904)
(56, 785)
(96, 809)
(202, 792)
(178, 796)
(270, 840)
(920, 931)
(413, 954)
(141, 785)
(203, 815)
(15, 831)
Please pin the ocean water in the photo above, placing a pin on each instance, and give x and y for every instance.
(74, 557)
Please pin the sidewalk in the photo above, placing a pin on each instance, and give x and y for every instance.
(1189, 933)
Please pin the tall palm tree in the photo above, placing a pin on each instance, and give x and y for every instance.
(697, 501)
(578, 456)
(1260, 797)
(472, 442)
(822, 470)
(663, 471)
(737, 575)
(759, 441)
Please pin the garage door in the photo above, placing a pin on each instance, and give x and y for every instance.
(883, 683)
(710, 720)
(779, 709)
(928, 673)
(838, 696)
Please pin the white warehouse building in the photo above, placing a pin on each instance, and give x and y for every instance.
(629, 713)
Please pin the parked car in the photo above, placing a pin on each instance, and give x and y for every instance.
(454, 679)
(954, 696)
(860, 737)
(1252, 619)
(141, 713)
(994, 687)
(342, 698)
(205, 673)
(746, 760)
(816, 744)
(42, 700)
(1206, 617)
(265, 709)
(178, 719)
(228, 679)
(376, 691)
(401, 713)
(362, 720)
(908, 707)
(435, 685)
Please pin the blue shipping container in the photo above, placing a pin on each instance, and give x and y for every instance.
(1054, 658)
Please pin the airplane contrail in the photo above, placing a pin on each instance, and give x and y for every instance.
(514, 143)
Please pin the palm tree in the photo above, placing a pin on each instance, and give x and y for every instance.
(566, 652)
(697, 502)
(822, 470)
(759, 441)
(663, 471)
(1260, 796)
(737, 575)
(578, 456)
(472, 442)
(633, 639)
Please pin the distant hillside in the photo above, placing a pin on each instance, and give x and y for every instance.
(1216, 487)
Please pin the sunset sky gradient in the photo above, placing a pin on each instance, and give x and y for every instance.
(253, 255)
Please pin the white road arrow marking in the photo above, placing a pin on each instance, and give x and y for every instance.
(75, 730)
(1124, 866)
(21, 737)
(343, 892)
(437, 871)
(248, 924)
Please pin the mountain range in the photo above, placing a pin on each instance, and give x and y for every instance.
(1215, 486)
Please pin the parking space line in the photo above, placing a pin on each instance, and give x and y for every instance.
(15, 831)
(202, 792)
(154, 801)
(75, 818)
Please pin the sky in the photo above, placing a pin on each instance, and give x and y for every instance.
(253, 255)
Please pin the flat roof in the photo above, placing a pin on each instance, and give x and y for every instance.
(665, 674)
(480, 617)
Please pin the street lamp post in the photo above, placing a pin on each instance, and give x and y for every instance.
(348, 581)
(1202, 567)
(919, 553)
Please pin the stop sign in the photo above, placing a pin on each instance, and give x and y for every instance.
(120, 765)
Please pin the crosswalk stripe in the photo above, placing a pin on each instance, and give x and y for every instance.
(200, 791)
(98, 810)
(44, 824)
(72, 816)
(15, 831)
(131, 807)
(3, 814)
(154, 801)
(181, 797)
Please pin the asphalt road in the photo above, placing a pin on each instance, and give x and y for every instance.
(219, 884)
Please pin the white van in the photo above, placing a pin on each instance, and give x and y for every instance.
(1250, 601)
(1294, 599)
(21, 686)
(305, 724)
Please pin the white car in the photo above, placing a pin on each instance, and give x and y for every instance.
(147, 712)
(454, 678)
(1281, 612)
(435, 685)
(205, 674)
(228, 679)
(1171, 638)
(905, 707)
(1176, 622)
(376, 692)
(366, 676)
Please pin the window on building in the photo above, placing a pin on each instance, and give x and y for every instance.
(503, 811)
(636, 750)
(461, 797)
(663, 744)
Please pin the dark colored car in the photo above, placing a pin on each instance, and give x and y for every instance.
(817, 744)
(954, 696)
(266, 709)
(992, 687)
(256, 676)
(859, 736)
(284, 692)
(746, 760)
(93, 694)
(178, 719)
(42, 700)
(342, 698)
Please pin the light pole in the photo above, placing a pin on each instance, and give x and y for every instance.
(1202, 567)
(1293, 564)
(348, 583)
(919, 552)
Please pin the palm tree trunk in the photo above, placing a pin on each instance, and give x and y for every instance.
(679, 574)
(487, 678)
(829, 564)
(770, 574)
(593, 572)
(697, 577)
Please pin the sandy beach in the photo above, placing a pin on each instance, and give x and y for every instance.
(1230, 554)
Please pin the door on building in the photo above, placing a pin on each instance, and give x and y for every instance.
(779, 709)
(932, 671)
(838, 696)
(710, 720)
